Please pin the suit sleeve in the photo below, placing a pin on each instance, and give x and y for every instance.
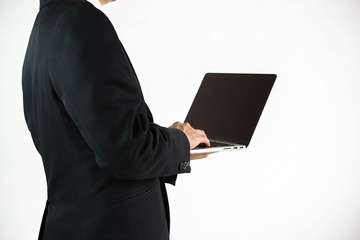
(94, 80)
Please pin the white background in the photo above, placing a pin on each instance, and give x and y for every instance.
(298, 180)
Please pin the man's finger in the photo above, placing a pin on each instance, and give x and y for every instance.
(205, 141)
(200, 155)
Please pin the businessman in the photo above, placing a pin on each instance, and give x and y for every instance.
(105, 160)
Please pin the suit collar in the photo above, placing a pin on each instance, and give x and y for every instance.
(44, 2)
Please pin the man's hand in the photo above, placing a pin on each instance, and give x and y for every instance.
(195, 136)
(199, 155)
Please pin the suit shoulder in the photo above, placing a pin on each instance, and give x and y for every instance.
(79, 13)
(82, 21)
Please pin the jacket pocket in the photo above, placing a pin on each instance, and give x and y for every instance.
(131, 198)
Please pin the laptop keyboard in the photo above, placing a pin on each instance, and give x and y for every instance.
(215, 144)
(219, 144)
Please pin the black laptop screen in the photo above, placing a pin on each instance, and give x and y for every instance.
(228, 106)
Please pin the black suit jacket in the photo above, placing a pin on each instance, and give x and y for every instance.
(104, 158)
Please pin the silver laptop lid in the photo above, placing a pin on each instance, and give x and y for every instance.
(228, 106)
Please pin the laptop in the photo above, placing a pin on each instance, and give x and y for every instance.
(228, 107)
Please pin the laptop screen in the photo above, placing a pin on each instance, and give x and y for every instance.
(228, 106)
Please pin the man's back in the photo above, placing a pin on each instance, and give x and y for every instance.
(103, 156)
